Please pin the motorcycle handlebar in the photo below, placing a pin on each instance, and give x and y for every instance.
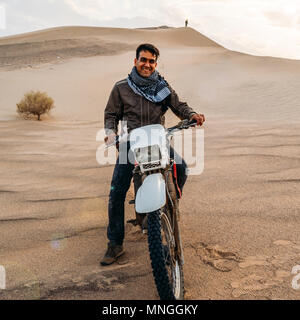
(184, 124)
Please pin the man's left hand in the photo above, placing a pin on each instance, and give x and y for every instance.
(199, 118)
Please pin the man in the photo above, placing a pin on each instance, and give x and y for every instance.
(140, 99)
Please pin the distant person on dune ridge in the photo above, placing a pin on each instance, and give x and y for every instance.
(140, 99)
(186, 22)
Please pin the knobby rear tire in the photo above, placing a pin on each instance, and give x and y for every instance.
(157, 256)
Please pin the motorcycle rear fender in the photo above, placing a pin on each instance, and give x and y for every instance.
(151, 195)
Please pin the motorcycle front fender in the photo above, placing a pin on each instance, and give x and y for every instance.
(151, 195)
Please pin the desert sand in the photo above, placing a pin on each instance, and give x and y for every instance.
(239, 219)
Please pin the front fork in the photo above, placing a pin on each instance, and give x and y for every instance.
(137, 182)
(173, 209)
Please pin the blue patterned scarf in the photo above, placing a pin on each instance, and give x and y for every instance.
(154, 88)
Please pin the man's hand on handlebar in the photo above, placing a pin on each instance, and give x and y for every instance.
(110, 139)
(199, 118)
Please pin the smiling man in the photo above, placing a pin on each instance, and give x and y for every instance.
(141, 99)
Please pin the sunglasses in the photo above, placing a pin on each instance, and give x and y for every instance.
(144, 60)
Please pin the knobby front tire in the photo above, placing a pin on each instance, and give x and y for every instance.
(165, 284)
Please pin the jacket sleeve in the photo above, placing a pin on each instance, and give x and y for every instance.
(181, 109)
(113, 111)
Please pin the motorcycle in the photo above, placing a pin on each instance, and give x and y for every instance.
(156, 204)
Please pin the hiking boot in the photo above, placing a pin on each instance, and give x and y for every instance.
(111, 255)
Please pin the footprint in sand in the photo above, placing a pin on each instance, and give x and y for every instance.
(267, 278)
(217, 257)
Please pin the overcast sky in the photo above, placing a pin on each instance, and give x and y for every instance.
(263, 27)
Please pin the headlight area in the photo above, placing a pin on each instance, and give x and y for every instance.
(147, 154)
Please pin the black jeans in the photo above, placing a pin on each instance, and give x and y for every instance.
(120, 184)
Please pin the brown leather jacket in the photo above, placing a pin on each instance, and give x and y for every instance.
(124, 104)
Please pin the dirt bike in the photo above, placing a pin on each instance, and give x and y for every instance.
(156, 205)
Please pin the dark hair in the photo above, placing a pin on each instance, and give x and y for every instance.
(147, 47)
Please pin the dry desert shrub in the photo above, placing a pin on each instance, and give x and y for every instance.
(35, 103)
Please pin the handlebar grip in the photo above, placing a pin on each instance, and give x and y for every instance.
(192, 122)
(115, 143)
(187, 123)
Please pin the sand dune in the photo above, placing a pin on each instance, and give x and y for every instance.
(240, 218)
(55, 44)
(167, 35)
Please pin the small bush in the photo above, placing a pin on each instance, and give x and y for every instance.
(35, 103)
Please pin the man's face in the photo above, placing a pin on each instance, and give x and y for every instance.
(145, 64)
